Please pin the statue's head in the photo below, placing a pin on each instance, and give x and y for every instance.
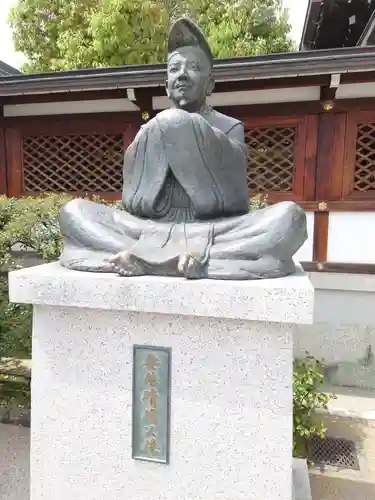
(189, 65)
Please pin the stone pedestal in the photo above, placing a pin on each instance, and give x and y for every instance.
(231, 384)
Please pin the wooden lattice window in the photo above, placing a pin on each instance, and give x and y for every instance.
(85, 155)
(271, 158)
(282, 156)
(364, 172)
(358, 177)
(84, 163)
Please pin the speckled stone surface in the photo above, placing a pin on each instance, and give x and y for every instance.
(232, 357)
(14, 462)
(284, 300)
(231, 422)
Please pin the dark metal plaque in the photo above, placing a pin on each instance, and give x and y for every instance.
(151, 403)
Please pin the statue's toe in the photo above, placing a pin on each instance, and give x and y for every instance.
(191, 268)
(125, 272)
(120, 259)
(182, 263)
(126, 264)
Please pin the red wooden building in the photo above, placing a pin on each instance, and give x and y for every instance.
(310, 128)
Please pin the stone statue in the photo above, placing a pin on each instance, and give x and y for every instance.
(185, 195)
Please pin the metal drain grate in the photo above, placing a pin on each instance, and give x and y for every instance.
(336, 452)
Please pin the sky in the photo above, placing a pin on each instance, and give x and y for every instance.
(7, 52)
(297, 11)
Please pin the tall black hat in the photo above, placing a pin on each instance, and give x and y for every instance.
(185, 33)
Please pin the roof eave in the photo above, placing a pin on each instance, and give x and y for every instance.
(7, 70)
(305, 26)
(300, 64)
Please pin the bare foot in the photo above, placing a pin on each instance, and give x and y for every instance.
(191, 267)
(126, 264)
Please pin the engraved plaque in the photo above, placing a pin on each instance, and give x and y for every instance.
(151, 403)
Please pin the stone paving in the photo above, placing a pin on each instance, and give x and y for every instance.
(14, 462)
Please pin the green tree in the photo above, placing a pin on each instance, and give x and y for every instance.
(245, 27)
(66, 34)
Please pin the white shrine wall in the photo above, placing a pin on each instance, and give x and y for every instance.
(295, 94)
(351, 237)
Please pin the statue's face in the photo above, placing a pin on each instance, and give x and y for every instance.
(189, 78)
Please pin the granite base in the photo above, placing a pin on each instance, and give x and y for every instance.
(231, 418)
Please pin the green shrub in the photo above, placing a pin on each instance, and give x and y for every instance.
(308, 377)
(30, 224)
(14, 392)
(257, 202)
(15, 326)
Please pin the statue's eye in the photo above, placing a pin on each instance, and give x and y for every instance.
(173, 69)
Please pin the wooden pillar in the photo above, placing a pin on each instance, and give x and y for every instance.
(3, 163)
(13, 145)
(144, 100)
(330, 161)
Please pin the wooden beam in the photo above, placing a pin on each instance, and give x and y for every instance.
(360, 104)
(331, 149)
(143, 99)
(287, 109)
(329, 178)
(311, 157)
(320, 245)
(338, 267)
(340, 206)
(14, 159)
(3, 163)
(298, 108)
(358, 77)
(327, 93)
(89, 95)
(47, 124)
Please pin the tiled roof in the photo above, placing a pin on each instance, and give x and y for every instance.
(6, 70)
(333, 24)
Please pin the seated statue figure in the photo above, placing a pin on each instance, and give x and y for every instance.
(185, 196)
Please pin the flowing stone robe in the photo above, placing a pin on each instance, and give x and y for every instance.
(185, 193)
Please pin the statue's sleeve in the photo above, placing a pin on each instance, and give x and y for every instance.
(144, 170)
(208, 163)
(237, 134)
